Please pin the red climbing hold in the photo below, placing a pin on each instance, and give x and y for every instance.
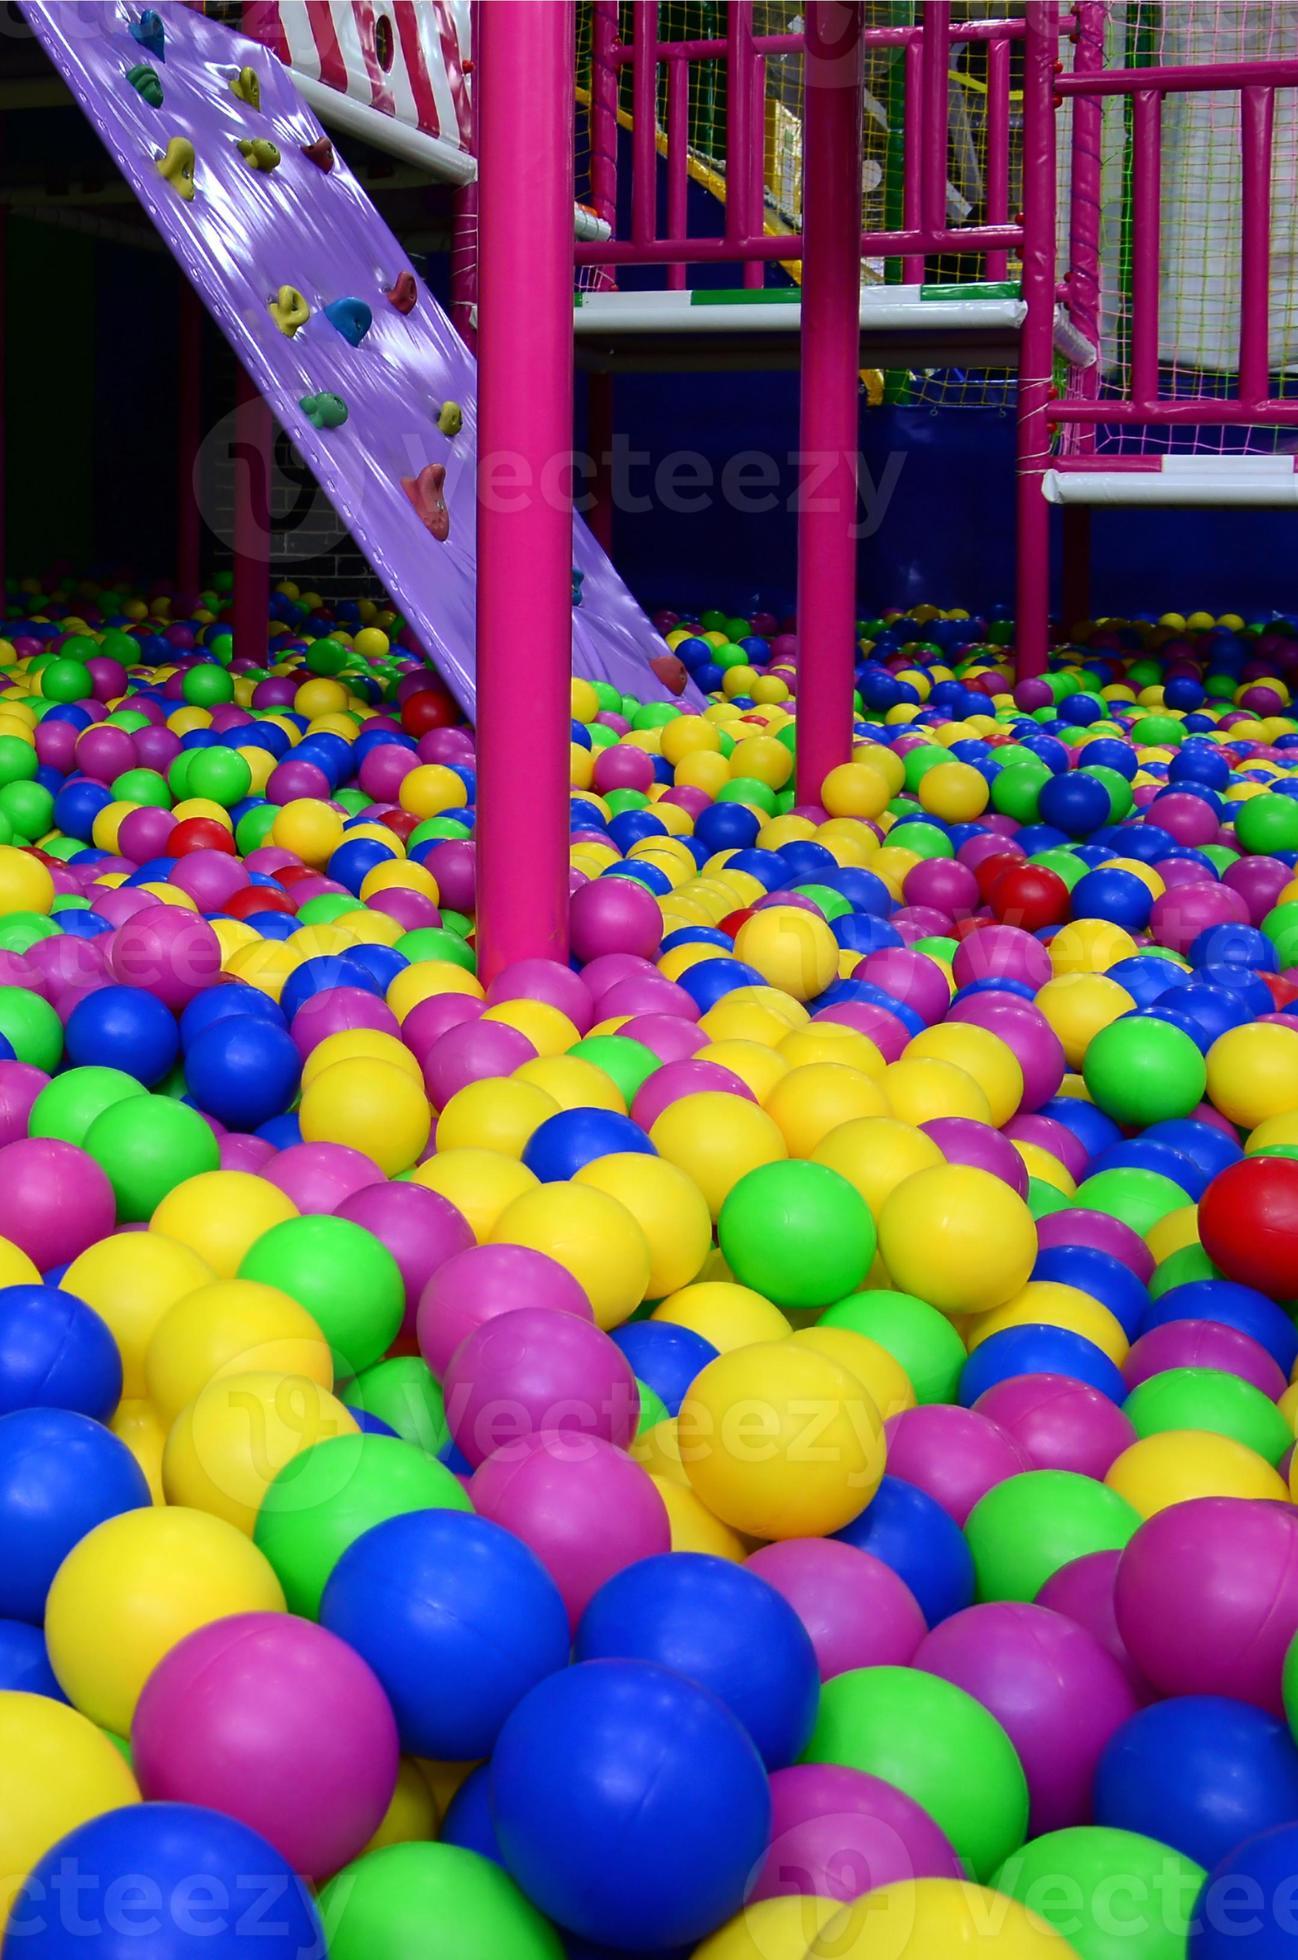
(320, 153)
(427, 492)
(670, 671)
(403, 292)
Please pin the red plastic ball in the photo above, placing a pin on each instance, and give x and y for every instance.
(992, 869)
(1030, 896)
(200, 834)
(256, 898)
(1248, 1223)
(400, 822)
(428, 709)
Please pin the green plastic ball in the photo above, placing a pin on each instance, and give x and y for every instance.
(1267, 824)
(148, 1145)
(1024, 1529)
(346, 1279)
(327, 657)
(401, 1392)
(408, 1901)
(18, 760)
(254, 827)
(324, 1499)
(919, 1338)
(19, 931)
(1113, 1895)
(207, 685)
(64, 679)
(222, 775)
(28, 808)
(797, 1232)
(435, 943)
(68, 1106)
(1138, 1197)
(1181, 1268)
(147, 787)
(31, 1027)
(624, 1060)
(1207, 1398)
(929, 1738)
(1141, 1071)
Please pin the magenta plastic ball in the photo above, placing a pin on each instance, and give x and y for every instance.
(410, 909)
(988, 843)
(614, 915)
(337, 1011)
(56, 743)
(944, 883)
(857, 1610)
(156, 748)
(276, 1722)
(915, 922)
(649, 994)
(474, 1286)
(291, 779)
(1203, 1344)
(470, 1053)
(1207, 1598)
(452, 864)
(245, 1153)
(122, 903)
(837, 1833)
(420, 1228)
(172, 953)
(57, 1199)
(606, 970)
(1180, 915)
(1051, 1685)
(668, 1084)
(954, 1454)
(548, 981)
(318, 1176)
(20, 1084)
(1080, 1226)
(1062, 1424)
(582, 1505)
(911, 978)
(1025, 1030)
(427, 1022)
(671, 1037)
(1259, 882)
(963, 1141)
(1186, 817)
(143, 833)
(210, 878)
(534, 1370)
(104, 751)
(622, 767)
(889, 1035)
(1056, 1139)
(1082, 1590)
(1003, 953)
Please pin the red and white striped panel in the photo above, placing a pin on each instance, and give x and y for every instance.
(404, 58)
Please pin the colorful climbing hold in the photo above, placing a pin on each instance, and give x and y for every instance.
(427, 492)
(259, 153)
(403, 292)
(320, 153)
(289, 310)
(670, 671)
(149, 32)
(144, 80)
(247, 86)
(352, 317)
(324, 411)
(450, 418)
(577, 579)
(176, 164)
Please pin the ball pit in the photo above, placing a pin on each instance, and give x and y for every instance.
(842, 1316)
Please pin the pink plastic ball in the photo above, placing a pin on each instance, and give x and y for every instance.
(963, 1141)
(671, 1037)
(1203, 1344)
(20, 1084)
(1181, 914)
(908, 977)
(614, 915)
(172, 953)
(420, 1228)
(1082, 1590)
(668, 1084)
(1001, 952)
(1080, 1226)
(318, 1176)
(954, 1454)
(274, 1721)
(857, 1610)
(534, 1370)
(549, 981)
(1024, 1029)
(1061, 1423)
(838, 1834)
(889, 1035)
(57, 1200)
(474, 1286)
(472, 1052)
(583, 1506)
(337, 1011)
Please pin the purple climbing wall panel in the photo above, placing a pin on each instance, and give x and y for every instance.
(245, 234)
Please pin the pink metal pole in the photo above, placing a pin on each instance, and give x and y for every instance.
(1036, 344)
(739, 125)
(254, 435)
(788, 245)
(1257, 128)
(754, 274)
(464, 231)
(831, 332)
(678, 161)
(4, 424)
(1146, 200)
(1083, 265)
(998, 148)
(526, 71)
(603, 121)
(935, 55)
(189, 435)
(912, 190)
(644, 133)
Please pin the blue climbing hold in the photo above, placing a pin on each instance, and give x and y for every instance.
(150, 33)
(352, 317)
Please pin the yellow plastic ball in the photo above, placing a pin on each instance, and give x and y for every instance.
(411, 1817)
(794, 950)
(1253, 1073)
(1273, 1132)
(399, 875)
(658, 1450)
(232, 1327)
(481, 1184)
(132, 1589)
(811, 1101)
(1178, 1464)
(425, 981)
(937, 1919)
(363, 1045)
(497, 1114)
(959, 1238)
(430, 789)
(592, 1236)
(137, 1423)
(308, 827)
(57, 1770)
(922, 1088)
(372, 1107)
(876, 1154)
(855, 789)
(547, 1028)
(220, 1214)
(716, 1139)
(762, 758)
(773, 1929)
(225, 1449)
(1077, 1006)
(954, 791)
(693, 1527)
(990, 1061)
(726, 1314)
(1173, 1232)
(879, 1373)
(780, 1441)
(372, 642)
(25, 882)
(753, 1062)
(132, 1280)
(1052, 1303)
(1090, 946)
(666, 1205)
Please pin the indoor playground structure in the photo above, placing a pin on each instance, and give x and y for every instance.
(648, 1242)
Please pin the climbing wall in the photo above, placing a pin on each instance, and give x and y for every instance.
(318, 300)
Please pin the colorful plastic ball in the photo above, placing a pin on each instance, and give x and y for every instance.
(589, 1234)
(1169, 1468)
(798, 1233)
(243, 1071)
(196, 1871)
(60, 1475)
(958, 1238)
(1253, 1072)
(123, 1027)
(329, 1495)
(346, 1279)
(917, 1336)
(955, 1455)
(570, 1139)
(132, 1589)
(1198, 1772)
(24, 1664)
(57, 1770)
(703, 1618)
(31, 1027)
(1060, 1422)
(383, 1907)
(936, 1743)
(226, 1447)
(1144, 1071)
(665, 1357)
(371, 1107)
(1209, 1398)
(1260, 1872)
(1038, 1348)
(169, 951)
(67, 1106)
(934, 1919)
(58, 1200)
(55, 1353)
(717, 1139)
(473, 1286)
(837, 1834)
(1021, 1532)
(1207, 1599)
(1052, 1686)
(909, 1531)
(663, 1811)
(1073, 1878)
(782, 1487)
(146, 1151)
(614, 915)
(530, 1370)
(132, 1280)
(458, 1621)
(1248, 1222)
(230, 1327)
(857, 1610)
(793, 950)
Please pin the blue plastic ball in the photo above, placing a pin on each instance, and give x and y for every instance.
(909, 1531)
(56, 1353)
(243, 1071)
(1038, 1350)
(611, 1775)
(458, 1619)
(709, 1620)
(61, 1474)
(25, 1663)
(1248, 1908)
(467, 1823)
(559, 1147)
(124, 1028)
(1105, 1278)
(1236, 1306)
(664, 1356)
